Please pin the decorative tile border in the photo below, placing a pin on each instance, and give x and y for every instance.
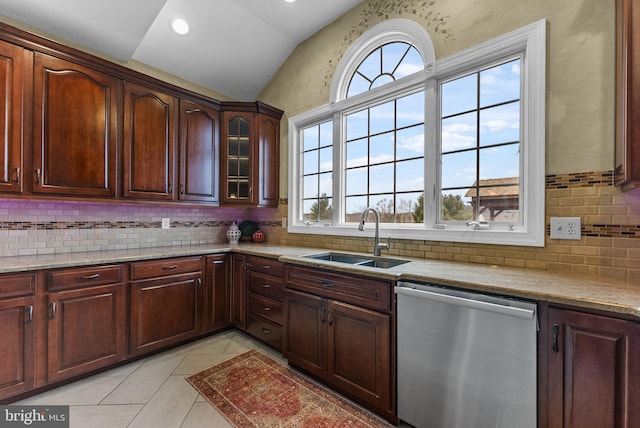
(579, 179)
(611, 231)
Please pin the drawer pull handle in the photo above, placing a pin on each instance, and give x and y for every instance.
(37, 175)
(169, 267)
(53, 310)
(323, 316)
(556, 330)
(94, 276)
(30, 314)
(330, 317)
(266, 331)
(17, 180)
(266, 267)
(328, 284)
(266, 309)
(266, 285)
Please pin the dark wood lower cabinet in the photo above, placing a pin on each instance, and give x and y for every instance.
(163, 312)
(17, 350)
(216, 293)
(593, 371)
(86, 330)
(238, 291)
(347, 346)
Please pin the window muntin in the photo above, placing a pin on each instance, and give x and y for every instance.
(384, 161)
(480, 145)
(317, 170)
(385, 64)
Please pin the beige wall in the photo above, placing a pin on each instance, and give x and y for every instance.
(580, 64)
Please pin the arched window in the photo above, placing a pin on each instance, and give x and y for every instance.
(448, 150)
(385, 64)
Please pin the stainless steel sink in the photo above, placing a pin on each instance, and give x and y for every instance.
(354, 259)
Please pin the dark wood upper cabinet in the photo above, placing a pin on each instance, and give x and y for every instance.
(74, 129)
(250, 155)
(199, 152)
(13, 70)
(149, 143)
(627, 157)
(75, 125)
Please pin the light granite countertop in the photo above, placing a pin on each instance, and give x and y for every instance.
(554, 287)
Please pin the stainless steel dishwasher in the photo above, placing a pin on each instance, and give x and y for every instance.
(465, 360)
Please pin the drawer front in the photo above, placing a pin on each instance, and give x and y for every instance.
(265, 266)
(13, 285)
(361, 291)
(266, 285)
(164, 267)
(266, 331)
(266, 308)
(92, 276)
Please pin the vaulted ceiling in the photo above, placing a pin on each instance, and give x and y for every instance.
(233, 47)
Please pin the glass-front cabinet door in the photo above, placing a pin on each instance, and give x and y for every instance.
(237, 159)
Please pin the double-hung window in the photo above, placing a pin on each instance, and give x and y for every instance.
(447, 150)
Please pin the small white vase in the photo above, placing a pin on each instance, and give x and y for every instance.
(233, 233)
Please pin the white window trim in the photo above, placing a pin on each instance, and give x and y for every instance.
(530, 39)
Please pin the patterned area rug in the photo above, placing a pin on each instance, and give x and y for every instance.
(252, 390)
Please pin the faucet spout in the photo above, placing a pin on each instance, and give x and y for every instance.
(377, 244)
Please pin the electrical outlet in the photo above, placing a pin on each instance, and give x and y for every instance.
(566, 228)
(166, 223)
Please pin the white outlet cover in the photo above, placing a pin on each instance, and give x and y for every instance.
(166, 224)
(566, 228)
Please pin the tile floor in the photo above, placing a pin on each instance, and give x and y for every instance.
(151, 392)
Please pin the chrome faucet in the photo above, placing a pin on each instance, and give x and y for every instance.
(377, 245)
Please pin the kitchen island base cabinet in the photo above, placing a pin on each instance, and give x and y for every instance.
(594, 371)
(165, 304)
(345, 345)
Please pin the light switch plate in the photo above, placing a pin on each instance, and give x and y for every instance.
(566, 228)
(166, 224)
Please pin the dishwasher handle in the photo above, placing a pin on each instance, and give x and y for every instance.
(512, 311)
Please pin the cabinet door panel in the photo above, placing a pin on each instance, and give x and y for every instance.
(12, 70)
(216, 293)
(305, 332)
(75, 121)
(199, 150)
(85, 330)
(359, 353)
(269, 161)
(16, 352)
(149, 143)
(163, 311)
(238, 294)
(594, 372)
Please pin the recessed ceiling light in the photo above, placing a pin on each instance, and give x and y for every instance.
(289, 1)
(180, 26)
